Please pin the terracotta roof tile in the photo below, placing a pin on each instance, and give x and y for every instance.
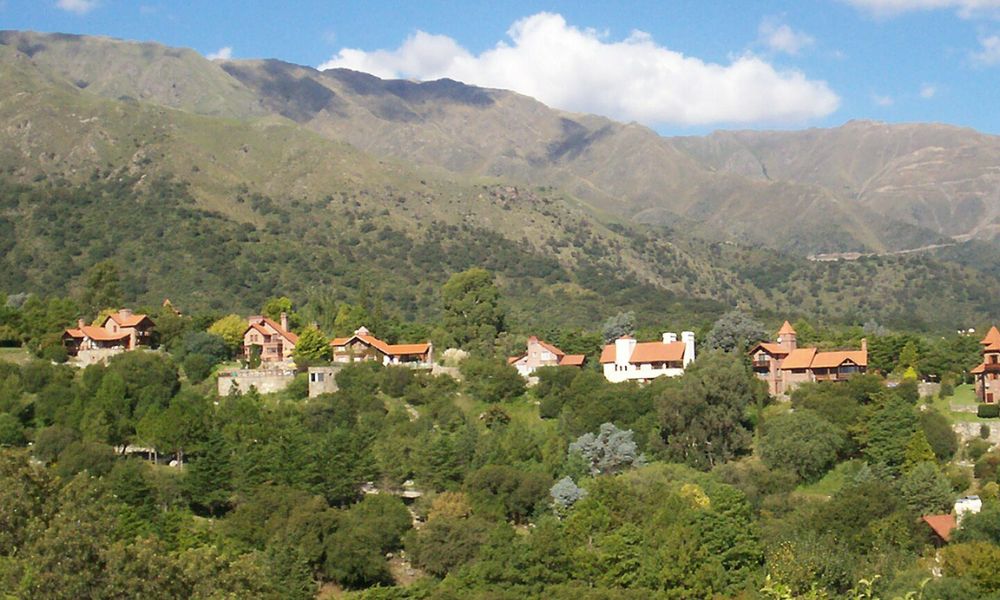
(771, 348)
(384, 348)
(572, 360)
(99, 334)
(551, 348)
(942, 525)
(800, 358)
(827, 360)
(126, 320)
(786, 327)
(399, 349)
(648, 352)
(978, 369)
(992, 336)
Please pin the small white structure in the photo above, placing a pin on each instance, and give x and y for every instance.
(628, 360)
(967, 505)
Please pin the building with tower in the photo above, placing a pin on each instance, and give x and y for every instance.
(784, 365)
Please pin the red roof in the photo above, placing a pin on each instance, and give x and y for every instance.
(786, 328)
(800, 358)
(978, 369)
(126, 320)
(381, 346)
(258, 322)
(572, 360)
(992, 337)
(99, 334)
(942, 525)
(828, 360)
(648, 352)
(771, 348)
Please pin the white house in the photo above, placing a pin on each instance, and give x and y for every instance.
(628, 360)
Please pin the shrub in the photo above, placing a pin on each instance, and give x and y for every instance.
(988, 411)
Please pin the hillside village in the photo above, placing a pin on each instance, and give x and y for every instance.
(802, 414)
(429, 337)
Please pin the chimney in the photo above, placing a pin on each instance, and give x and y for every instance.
(125, 312)
(623, 349)
(284, 321)
(669, 338)
(864, 345)
(688, 338)
(79, 323)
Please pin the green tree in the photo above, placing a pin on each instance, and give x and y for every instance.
(886, 433)
(103, 287)
(925, 490)
(209, 476)
(230, 328)
(472, 313)
(802, 442)
(702, 413)
(615, 327)
(940, 435)
(312, 348)
(491, 380)
(446, 543)
(275, 306)
(611, 450)
(11, 430)
(735, 330)
(918, 450)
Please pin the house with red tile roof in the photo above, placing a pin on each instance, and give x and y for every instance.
(783, 365)
(272, 340)
(539, 354)
(362, 345)
(629, 360)
(987, 373)
(122, 331)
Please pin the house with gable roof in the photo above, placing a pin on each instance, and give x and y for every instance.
(120, 331)
(783, 365)
(987, 373)
(273, 340)
(629, 360)
(539, 354)
(362, 345)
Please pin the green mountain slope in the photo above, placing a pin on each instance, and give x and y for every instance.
(224, 211)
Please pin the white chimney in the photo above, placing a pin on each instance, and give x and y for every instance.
(623, 349)
(669, 338)
(688, 338)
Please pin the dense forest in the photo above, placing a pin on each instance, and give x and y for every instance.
(343, 247)
(694, 487)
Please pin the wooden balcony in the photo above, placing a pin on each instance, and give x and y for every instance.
(762, 364)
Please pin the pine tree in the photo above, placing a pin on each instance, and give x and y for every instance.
(918, 450)
(209, 476)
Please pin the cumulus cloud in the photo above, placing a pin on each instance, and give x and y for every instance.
(79, 7)
(632, 79)
(989, 51)
(781, 38)
(882, 100)
(928, 91)
(224, 53)
(965, 8)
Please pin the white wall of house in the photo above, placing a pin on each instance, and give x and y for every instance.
(616, 373)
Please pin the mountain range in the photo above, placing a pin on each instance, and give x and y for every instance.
(727, 217)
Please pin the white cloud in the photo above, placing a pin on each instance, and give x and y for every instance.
(782, 38)
(928, 91)
(79, 7)
(632, 79)
(882, 100)
(224, 53)
(989, 51)
(965, 8)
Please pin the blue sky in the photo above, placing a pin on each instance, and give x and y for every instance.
(682, 67)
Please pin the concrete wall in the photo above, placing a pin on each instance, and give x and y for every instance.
(267, 381)
(88, 357)
(323, 380)
(970, 430)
